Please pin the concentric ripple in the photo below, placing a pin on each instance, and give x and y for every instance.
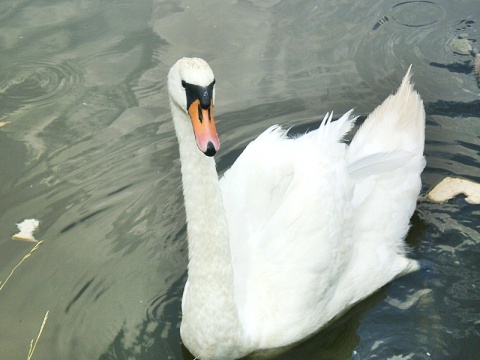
(417, 13)
(39, 82)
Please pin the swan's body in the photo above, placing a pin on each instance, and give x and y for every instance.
(298, 230)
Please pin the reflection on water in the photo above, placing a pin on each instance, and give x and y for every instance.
(89, 150)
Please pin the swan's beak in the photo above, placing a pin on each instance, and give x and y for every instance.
(204, 128)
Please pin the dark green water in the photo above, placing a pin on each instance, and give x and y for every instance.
(90, 151)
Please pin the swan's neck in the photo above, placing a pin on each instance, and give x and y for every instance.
(208, 240)
(208, 305)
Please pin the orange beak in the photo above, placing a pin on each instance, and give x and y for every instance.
(204, 128)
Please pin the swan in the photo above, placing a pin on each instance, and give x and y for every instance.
(298, 229)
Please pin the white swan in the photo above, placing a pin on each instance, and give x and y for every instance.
(299, 229)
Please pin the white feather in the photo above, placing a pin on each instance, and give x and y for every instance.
(378, 163)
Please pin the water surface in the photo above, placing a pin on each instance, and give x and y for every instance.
(90, 151)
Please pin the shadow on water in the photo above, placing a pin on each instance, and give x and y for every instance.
(461, 68)
(453, 108)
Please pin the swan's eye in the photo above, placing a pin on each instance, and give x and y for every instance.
(184, 84)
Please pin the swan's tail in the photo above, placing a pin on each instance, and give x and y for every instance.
(385, 160)
(397, 124)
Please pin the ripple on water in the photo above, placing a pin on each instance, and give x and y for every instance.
(420, 33)
(164, 310)
(36, 82)
(417, 13)
(158, 334)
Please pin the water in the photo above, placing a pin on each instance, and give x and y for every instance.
(89, 150)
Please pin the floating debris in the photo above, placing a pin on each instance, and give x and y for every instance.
(33, 344)
(27, 227)
(450, 187)
(37, 245)
(3, 123)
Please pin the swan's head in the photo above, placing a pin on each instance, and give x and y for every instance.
(191, 86)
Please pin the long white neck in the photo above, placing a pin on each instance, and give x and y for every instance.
(208, 305)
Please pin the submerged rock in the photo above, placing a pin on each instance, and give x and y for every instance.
(461, 46)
